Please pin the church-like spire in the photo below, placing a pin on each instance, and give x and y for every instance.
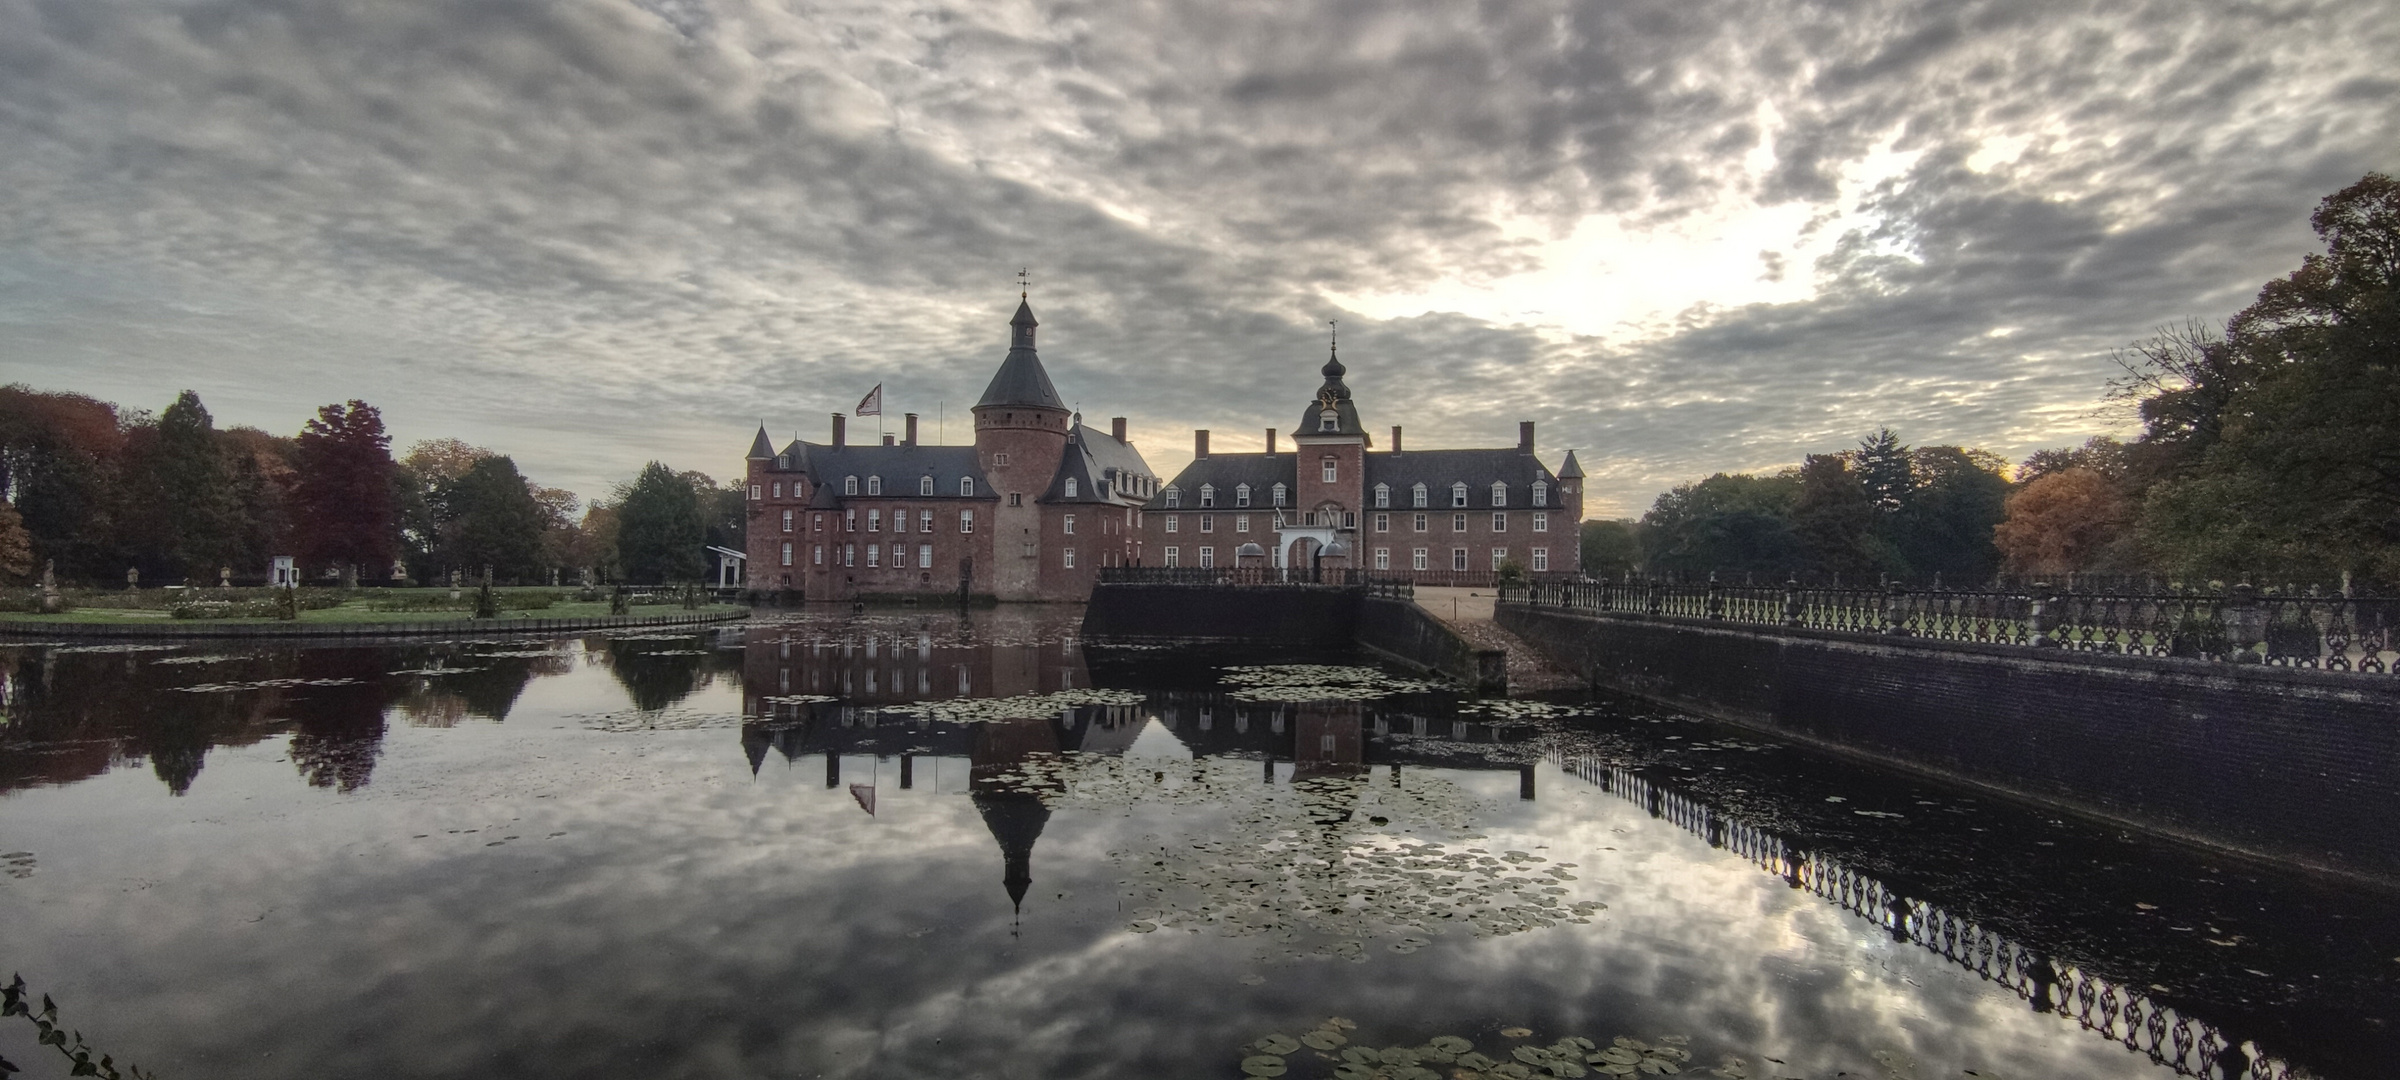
(1332, 412)
(1021, 382)
(760, 448)
(1571, 470)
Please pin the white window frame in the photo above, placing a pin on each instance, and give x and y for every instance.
(850, 485)
(1208, 558)
(924, 521)
(849, 554)
(1458, 523)
(925, 485)
(817, 556)
(1541, 560)
(1332, 469)
(1069, 553)
(875, 485)
(924, 556)
(755, 489)
(1066, 524)
(1541, 493)
(1208, 494)
(1174, 523)
(874, 521)
(874, 556)
(1499, 555)
(1383, 558)
(1241, 523)
(1070, 487)
(1499, 493)
(1174, 496)
(1541, 521)
(1279, 494)
(1383, 523)
(966, 487)
(1173, 555)
(1419, 493)
(1458, 559)
(966, 521)
(1458, 494)
(1208, 523)
(1417, 558)
(1241, 495)
(1499, 521)
(787, 553)
(790, 520)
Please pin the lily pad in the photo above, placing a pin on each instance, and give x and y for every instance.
(1263, 1065)
(1278, 1043)
(1450, 1044)
(1322, 1039)
(1515, 1032)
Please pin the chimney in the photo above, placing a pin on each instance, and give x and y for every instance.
(910, 439)
(841, 425)
(1116, 427)
(1395, 438)
(890, 439)
(1200, 443)
(1270, 440)
(1525, 435)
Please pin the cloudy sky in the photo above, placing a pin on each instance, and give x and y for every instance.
(1684, 235)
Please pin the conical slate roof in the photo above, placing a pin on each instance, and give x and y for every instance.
(760, 448)
(1571, 470)
(1021, 381)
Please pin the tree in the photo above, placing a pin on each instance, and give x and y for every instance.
(59, 457)
(594, 544)
(16, 545)
(659, 528)
(430, 466)
(1835, 520)
(1610, 549)
(488, 518)
(263, 482)
(2100, 454)
(182, 512)
(1944, 525)
(2069, 520)
(346, 495)
(1883, 468)
(1733, 522)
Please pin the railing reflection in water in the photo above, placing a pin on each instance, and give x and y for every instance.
(2188, 1045)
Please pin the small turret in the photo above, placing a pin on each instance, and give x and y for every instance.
(760, 448)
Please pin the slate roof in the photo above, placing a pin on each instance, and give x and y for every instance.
(1312, 419)
(1021, 380)
(1228, 471)
(900, 466)
(760, 448)
(1572, 470)
(1438, 469)
(1093, 460)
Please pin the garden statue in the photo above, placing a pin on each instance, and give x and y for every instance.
(225, 577)
(51, 603)
(133, 577)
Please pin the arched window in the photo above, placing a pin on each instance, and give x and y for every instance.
(966, 485)
(1383, 495)
(1241, 495)
(1499, 493)
(1208, 494)
(1419, 493)
(1458, 493)
(1070, 487)
(1541, 493)
(874, 485)
(1279, 494)
(925, 486)
(1174, 495)
(849, 485)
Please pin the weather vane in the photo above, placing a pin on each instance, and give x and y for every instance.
(1025, 283)
(1336, 324)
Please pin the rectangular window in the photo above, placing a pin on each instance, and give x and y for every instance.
(1241, 523)
(1016, 498)
(899, 556)
(817, 555)
(1174, 556)
(924, 521)
(1330, 471)
(849, 554)
(1541, 521)
(1383, 558)
(1172, 523)
(1499, 521)
(1499, 555)
(1068, 524)
(1416, 559)
(966, 521)
(1458, 558)
(1458, 494)
(874, 485)
(1541, 560)
(787, 553)
(754, 491)
(1420, 522)
(1208, 557)
(874, 521)
(1458, 523)
(778, 488)
(1383, 523)
(849, 521)
(816, 523)
(1383, 495)
(1350, 519)
(925, 485)
(1208, 523)
(788, 517)
(874, 555)
(1070, 554)
(924, 556)
(999, 460)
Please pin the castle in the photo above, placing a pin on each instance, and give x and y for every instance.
(1041, 503)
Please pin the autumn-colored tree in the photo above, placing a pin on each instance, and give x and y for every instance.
(59, 456)
(2069, 520)
(16, 546)
(348, 509)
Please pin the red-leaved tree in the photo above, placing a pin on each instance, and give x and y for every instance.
(348, 516)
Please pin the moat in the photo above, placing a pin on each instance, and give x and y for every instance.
(906, 844)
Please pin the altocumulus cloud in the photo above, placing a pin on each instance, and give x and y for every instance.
(1686, 236)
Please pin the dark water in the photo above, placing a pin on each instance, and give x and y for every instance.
(901, 846)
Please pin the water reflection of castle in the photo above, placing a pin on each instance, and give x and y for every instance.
(867, 676)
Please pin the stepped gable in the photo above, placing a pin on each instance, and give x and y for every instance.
(1095, 460)
(1479, 469)
(1021, 382)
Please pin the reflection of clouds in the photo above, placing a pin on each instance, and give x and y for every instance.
(696, 920)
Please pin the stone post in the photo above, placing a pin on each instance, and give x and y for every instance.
(1716, 597)
(1791, 601)
(133, 577)
(2042, 616)
(1895, 608)
(2245, 624)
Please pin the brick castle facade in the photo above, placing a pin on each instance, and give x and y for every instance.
(1041, 502)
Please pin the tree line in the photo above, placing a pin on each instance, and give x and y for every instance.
(95, 490)
(2269, 448)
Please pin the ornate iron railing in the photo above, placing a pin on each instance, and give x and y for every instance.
(2186, 1044)
(1382, 584)
(2286, 626)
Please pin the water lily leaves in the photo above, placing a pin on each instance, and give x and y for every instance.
(1415, 1072)
(1142, 927)
(1398, 1055)
(1618, 1054)
(1531, 1055)
(1450, 1044)
(1515, 1032)
(1351, 1070)
(1322, 1039)
(1263, 1065)
(1511, 1070)
(1655, 1066)
(1337, 1023)
(1278, 1044)
(1474, 1059)
(1359, 1055)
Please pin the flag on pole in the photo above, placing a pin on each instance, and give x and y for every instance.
(872, 404)
(865, 794)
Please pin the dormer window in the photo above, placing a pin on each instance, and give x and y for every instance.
(849, 485)
(966, 486)
(1279, 494)
(1070, 487)
(1458, 493)
(783, 461)
(1383, 495)
(925, 486)
(1329, 420)
(1419, 492)
(1241, 495)
(1499, 493)
(1208, 494)
(1174, 496)
(1541, 493)
(874, 485)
